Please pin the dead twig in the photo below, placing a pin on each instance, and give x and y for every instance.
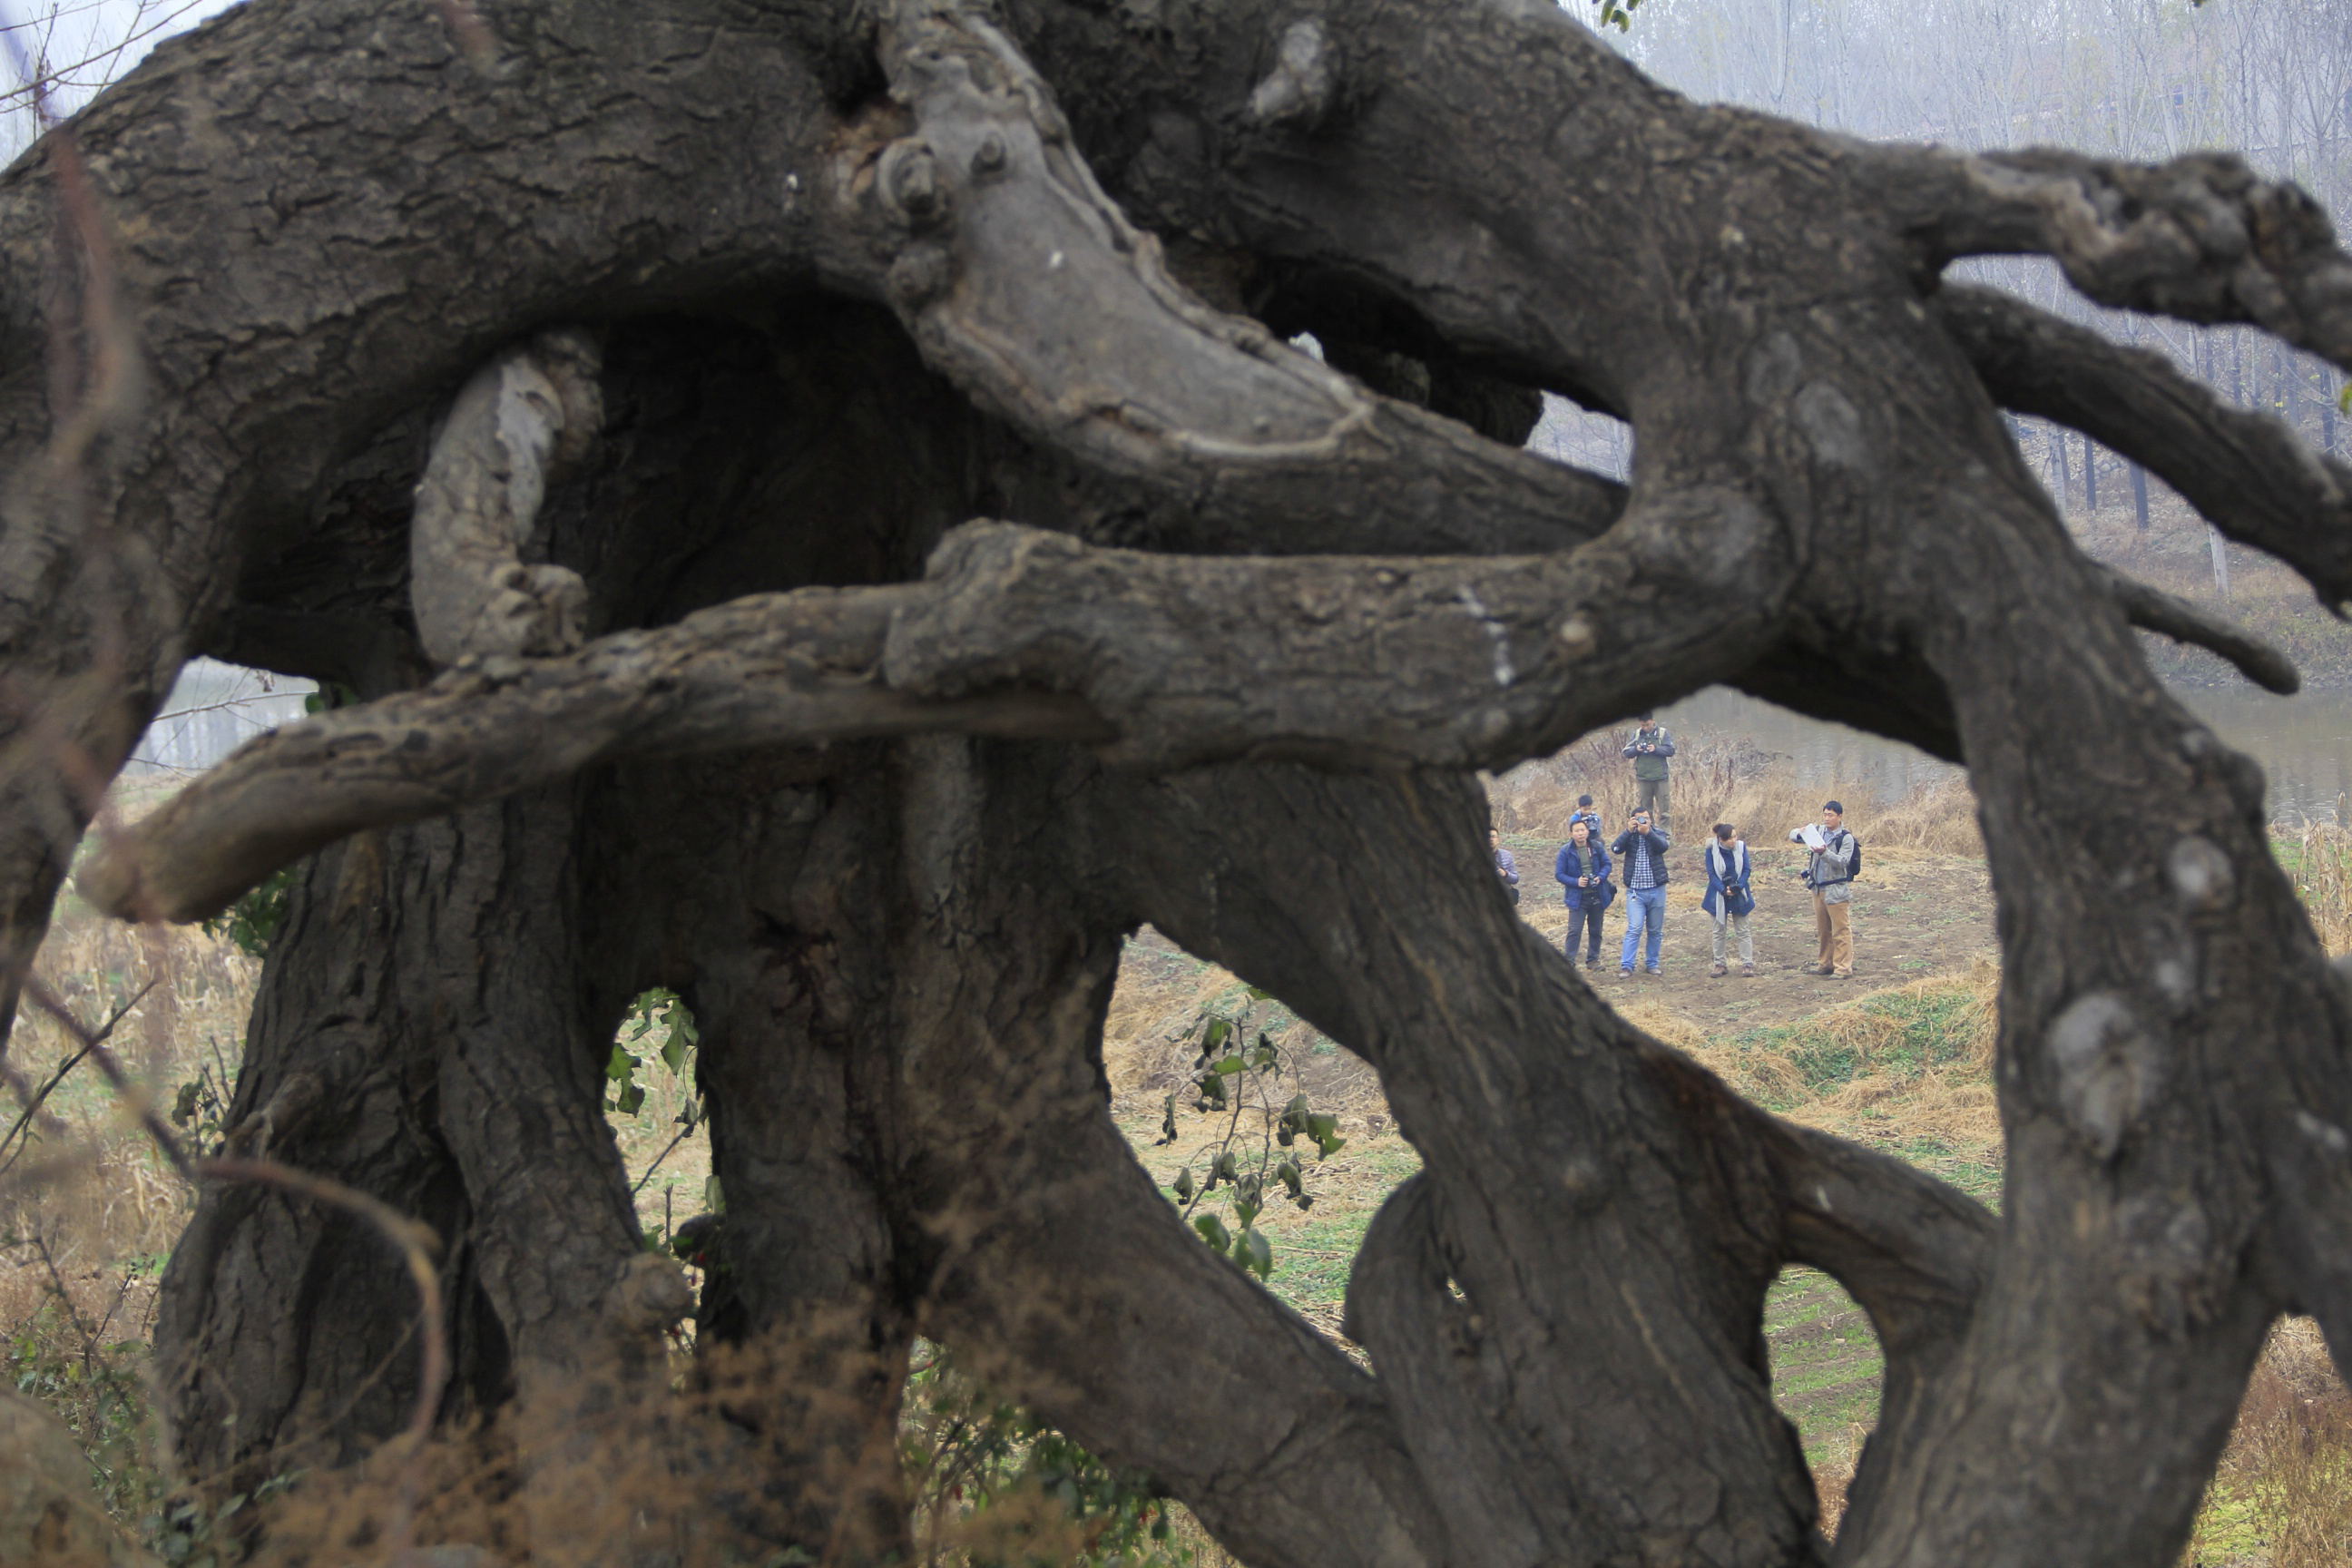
(656, 1165)
(37, 1098)
(414, 1240)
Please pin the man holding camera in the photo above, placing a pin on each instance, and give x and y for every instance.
(1642, 851)
(1507, 865)
(1649, 749)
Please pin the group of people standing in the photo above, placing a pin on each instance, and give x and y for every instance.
(1590, 873)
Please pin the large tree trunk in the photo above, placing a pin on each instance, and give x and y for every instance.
(764, 891)
(422, 1036)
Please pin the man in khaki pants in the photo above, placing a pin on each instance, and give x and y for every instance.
(1831, 877)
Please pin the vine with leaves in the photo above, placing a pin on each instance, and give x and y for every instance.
(1253, 1149)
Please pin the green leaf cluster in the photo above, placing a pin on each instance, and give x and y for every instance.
(253, 922)
(201, 1105)
(659, 1027)
(97, 1391)
(1236, 1074)
(994, 1486)
(187, 1532)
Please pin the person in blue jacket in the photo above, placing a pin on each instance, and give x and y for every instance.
(1582, 872)
(1730, 873)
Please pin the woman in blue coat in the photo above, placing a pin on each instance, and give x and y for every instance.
(1729, 873)
(1582, 872)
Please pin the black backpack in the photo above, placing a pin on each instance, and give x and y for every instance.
(1853, 867)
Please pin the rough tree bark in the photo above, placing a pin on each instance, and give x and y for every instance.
(953, 480)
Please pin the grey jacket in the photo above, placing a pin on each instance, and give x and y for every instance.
(1832, 871)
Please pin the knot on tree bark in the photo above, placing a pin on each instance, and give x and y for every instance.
(1298, 93)
(648, 1296)
(983, 625)
(2201, 875)
(2110, 1069)
(909, 182)
(2178, 1276)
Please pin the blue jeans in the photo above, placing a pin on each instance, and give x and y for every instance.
(1645, 909)
(1586, 923)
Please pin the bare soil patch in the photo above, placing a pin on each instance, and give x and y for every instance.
(1916, 914)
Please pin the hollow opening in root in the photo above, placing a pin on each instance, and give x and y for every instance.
(1826, 1372)
(1583, 438)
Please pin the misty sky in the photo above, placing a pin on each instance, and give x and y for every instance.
(98, 39)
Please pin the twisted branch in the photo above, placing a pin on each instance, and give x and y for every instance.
(774, 668)
(1026, 286)
(1367, 662)
(1019, 632)
(2201, 237)
(2247, 474)
(2177, 618)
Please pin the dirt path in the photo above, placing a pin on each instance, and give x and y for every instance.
(1915, 914)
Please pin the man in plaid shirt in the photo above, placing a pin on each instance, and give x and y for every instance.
(1641, 849)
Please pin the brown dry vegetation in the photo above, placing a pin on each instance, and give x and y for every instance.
(87, 1208)
(1726, 781)
(2319, 858)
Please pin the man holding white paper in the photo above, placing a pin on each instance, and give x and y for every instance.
(1836, 857)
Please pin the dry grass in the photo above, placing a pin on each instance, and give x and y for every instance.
(1733, 782)
(1758, 1072)
(1162, 991)
(87, 1208)
(1910, 1063)
(1833, 1479)
(2319, 858)
(2283, 1496)
(81, 1170)
(1947, 1099)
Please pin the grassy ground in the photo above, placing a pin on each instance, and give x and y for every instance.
(1825, 1360)
(1854, 1067)
(1904, 1065)
(1899, 1058)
